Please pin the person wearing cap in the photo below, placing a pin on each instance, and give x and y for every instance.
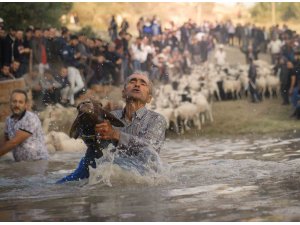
(144, 129)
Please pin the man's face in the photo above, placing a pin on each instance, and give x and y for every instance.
(29, 34)
(15, 65)
(46, 33)
(98, 43)
(38, 33)
(74, 42)
(111, 48)
(19, 35)
(18, 104)
(128, 37)
(64, 72)
(5, 70)
(2, 33)
(12, 33)
(289, 65)
(52, 32)
(137, 89)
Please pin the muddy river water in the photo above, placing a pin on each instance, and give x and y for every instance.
(217, 179)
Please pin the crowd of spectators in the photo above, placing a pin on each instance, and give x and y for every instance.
(58, 65)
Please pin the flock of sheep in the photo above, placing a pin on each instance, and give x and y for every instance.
(185, 102)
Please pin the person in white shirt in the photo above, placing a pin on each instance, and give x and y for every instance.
(220, 56)
(274, 48)
(135, 50)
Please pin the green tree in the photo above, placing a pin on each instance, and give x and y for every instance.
(87, 31)
(261, 9)
(284, 10)
(40, 14)
(289, 10)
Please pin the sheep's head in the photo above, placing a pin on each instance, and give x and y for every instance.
(90, 113)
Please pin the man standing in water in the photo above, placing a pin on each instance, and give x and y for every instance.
(143, 128)
(23, 131)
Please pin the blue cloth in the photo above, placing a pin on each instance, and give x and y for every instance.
(82, 171)
(68, 56)
(295, 97)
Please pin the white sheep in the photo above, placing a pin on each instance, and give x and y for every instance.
(273, 85)
(187, 112)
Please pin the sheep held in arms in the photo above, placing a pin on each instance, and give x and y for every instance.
(91, 113)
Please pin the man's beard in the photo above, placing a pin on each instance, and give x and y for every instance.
(19, 113)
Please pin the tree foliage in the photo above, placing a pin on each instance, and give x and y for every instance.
(289, 10)
(88, 31)
(42, 14)
(285, 11)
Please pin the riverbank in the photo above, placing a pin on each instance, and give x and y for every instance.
(241, 117)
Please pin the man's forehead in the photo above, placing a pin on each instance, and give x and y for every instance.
(17, 95)
(139, 77)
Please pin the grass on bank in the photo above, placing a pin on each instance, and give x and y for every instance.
(242, 117)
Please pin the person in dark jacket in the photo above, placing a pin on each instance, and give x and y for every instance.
(8, 46)
(39, 53)
(21, 53)
(61, 42)
(282, 70)
(252, 73)
(113, 29)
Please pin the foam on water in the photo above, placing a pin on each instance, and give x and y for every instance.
(116, 168)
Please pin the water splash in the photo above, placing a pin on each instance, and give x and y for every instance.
(117, 168)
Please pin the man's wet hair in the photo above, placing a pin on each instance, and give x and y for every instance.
(20, 91)
(144, 73)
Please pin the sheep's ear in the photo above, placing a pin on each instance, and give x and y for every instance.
(74, 129)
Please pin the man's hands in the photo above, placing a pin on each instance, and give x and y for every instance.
(106, 131)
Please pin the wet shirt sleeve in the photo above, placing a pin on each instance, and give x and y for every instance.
(153, 136)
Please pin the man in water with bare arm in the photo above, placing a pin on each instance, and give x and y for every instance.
(23, 131)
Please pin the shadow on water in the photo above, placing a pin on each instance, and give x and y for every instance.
(245, 178)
